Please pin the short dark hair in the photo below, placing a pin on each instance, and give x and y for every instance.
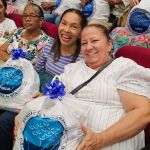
(40, 10)
(56, 46)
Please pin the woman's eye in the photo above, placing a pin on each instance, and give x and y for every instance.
(94, 41)
(83, 43)
(63, 23)
(74, 27)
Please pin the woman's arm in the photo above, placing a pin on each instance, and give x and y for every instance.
(16, 126)
(3, 52)
(47, 5)
(41, 61)
(83, 3)
(134, 2)
(137, 117)
(114, 2)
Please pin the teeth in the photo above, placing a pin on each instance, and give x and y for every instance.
(91, 53)
(66, 37)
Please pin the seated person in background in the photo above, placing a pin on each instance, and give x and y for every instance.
(137, 29)
(61, 6)
(18, 81)
(65, 48)
(119, 7)
(30, 38)
(116, 101)
(120, 12)
(7, 26)
(47, 5)
(16, 6)
(98, 11)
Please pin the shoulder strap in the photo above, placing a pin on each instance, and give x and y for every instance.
(86, 82)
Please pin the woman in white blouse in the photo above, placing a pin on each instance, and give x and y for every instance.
(116, 101)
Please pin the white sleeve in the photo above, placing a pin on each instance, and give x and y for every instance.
(134, 78)
(12, 26)
(65, 77)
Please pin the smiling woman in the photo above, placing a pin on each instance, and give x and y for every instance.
(65, 48)
(30, 38)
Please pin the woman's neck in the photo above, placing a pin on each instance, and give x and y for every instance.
(31, 35)
(68, 50)
(2, 19)
(97, 66)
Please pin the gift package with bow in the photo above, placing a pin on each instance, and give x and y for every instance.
(18, 81)
(49, 122)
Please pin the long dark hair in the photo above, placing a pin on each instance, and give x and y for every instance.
(5, 6)
(56, 45)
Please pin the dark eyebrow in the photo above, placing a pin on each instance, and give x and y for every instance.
(30, 13)
(64, 20)
(73, 23)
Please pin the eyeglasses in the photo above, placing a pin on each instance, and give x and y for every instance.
(31, 16)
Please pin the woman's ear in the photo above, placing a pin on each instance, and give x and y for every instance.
(110, 45)
(41, 21)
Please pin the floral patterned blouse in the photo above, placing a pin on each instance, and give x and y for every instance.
(31, 48)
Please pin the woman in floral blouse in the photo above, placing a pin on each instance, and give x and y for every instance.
(30, 38)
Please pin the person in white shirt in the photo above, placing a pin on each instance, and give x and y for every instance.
(98, 11)
(7, 26)
(47, 6)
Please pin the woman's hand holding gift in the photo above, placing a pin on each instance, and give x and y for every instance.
(91, 140)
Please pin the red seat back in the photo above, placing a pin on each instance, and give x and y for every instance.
(140, 55)
(17, 18)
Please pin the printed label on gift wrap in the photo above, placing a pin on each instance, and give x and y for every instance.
(139, 21)
(11, 81)
(41, 132)
(89, 9)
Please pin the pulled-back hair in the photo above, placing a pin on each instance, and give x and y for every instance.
(40, 10)
(102, 28)
(56, 46)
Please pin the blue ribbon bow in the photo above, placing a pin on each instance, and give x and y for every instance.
(55, 89)
(18, 53)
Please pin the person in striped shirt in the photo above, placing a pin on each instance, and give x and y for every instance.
(64, 49)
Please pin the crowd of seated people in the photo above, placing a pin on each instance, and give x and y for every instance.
(49, 32)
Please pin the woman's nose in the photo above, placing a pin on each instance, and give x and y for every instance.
(67, 28)
(89, 46)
